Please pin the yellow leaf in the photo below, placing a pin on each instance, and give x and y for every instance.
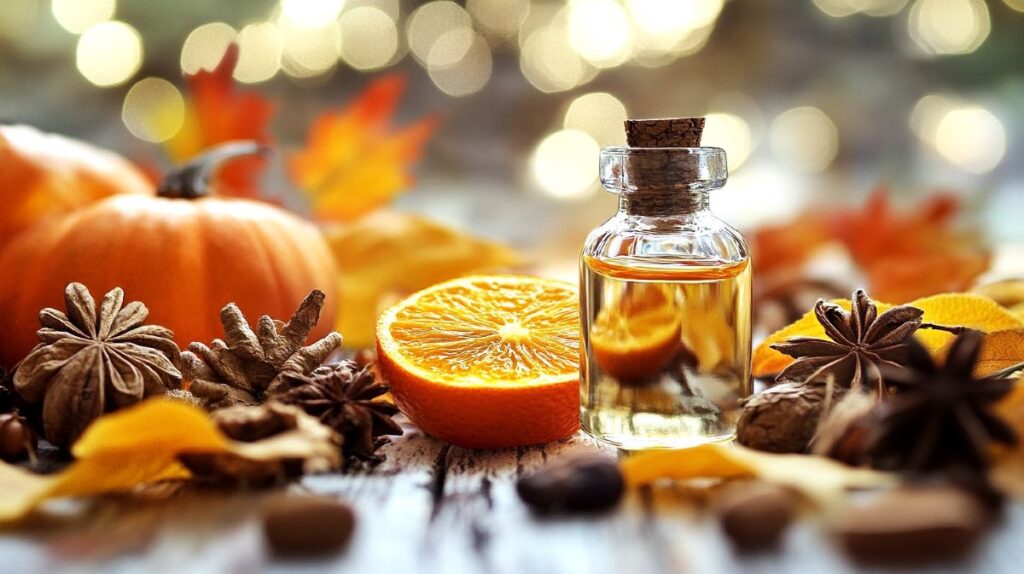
(1000, 350)
(1008, 471)
(136, 446)
(354, 162)
(949, 309)
(819, 478)
(387, 255)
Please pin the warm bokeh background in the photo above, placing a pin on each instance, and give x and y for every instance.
(815, 101)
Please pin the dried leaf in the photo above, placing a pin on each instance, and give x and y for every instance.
(784, 247)
(820, 479)
(1008, 471)
(354, 161)
(387, 255)
(216, 113)
(131, 447)
(911, 254)
(949, 309)
(1000, 350)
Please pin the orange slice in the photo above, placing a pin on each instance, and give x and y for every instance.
(487, 361)
(636, 336)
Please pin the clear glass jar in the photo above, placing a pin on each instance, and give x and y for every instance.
(665, 302)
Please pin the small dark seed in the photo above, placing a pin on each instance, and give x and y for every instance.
(296, 527)
(578, 483)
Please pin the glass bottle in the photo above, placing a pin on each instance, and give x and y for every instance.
(665, 302)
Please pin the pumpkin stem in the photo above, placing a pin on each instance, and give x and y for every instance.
(192, 180)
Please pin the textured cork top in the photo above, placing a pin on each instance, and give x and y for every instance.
(664, 132)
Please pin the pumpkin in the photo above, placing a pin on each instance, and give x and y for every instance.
(43, 175)
(183, 252)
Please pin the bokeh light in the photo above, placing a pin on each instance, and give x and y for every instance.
(311, 13)
(546, 58)
(564, 164)
(971, 138)
(836, 8)
(205, 46)
(153, 110)
(928, 112)
(731, 133)
(432, 21)
(309, 52)
(600, 115)
(77, 16)
(369, 38)
(499, 18)
(805, 138)
(466, 74)
(109, 53)
(599, 31)
(879, 8)
(949, 26)
(672, 19)
(1017, 5)
(259, 53)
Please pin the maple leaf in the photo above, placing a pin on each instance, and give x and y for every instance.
(354, 161)
(910, 254)
(217, 112)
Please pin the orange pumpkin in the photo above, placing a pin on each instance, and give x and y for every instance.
(183, 253)
(42, 175)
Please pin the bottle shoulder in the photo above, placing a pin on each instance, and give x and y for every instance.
(696, 238)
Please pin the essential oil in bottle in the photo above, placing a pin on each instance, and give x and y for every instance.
(665, 297)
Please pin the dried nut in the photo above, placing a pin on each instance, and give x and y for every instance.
(578, 483)
(307, 526)
(755, 515)
(913, 524)
(782, 418)
(16, 438)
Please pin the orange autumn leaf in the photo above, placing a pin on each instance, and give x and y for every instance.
(1000, 350)
(354, 160)
(217, 112)
(783, 247)
(948, 309)
(910, 254)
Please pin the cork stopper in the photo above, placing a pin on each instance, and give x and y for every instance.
(664, 166)
(664, 132)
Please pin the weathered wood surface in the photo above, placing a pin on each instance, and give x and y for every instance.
(434, 508)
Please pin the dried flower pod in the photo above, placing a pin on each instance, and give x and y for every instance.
(913, 524)
(296, 527)
(843, 431)
(238, 370)
(276, 443)
(755, 515)
(584, 482)
(94, 359)
(785, 417)
(17, 441)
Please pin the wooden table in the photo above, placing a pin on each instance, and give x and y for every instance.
(434, 508)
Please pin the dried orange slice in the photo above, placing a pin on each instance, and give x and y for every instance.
(638, 334)
(486, 361)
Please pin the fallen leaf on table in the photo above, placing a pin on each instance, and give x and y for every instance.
(947, 309)
(387, 255)
(913, 253)
(1009, 293)
(821, 479)
(217, 112)
(1000, 350)
(1008, 468)
(354, 161)
(783, 247)
(131, 447)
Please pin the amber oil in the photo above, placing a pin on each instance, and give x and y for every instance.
(666, 349)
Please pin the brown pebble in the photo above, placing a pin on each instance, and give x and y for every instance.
(755, 515)
(16, 438)
(301, 526)
(913, 524)
(584, 482)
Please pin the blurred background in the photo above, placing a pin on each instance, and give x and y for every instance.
(816, 102)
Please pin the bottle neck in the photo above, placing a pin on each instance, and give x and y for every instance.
(664, 203)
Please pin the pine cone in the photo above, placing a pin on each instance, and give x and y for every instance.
(342, 397)
(238, 370)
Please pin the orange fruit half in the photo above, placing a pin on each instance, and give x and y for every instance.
(487, 361)
(637, 335)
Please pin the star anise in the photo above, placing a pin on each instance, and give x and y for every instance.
(941, 417)
(94, 360)
(239, 369)
(342, 396)
(862, 342)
